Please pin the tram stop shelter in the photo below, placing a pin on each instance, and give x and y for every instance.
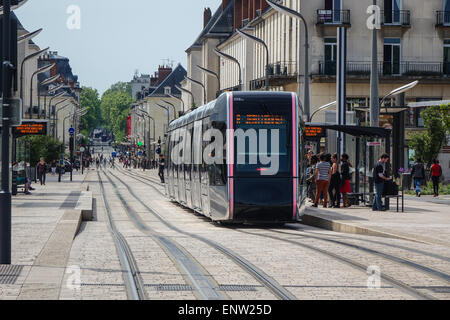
(364, 145)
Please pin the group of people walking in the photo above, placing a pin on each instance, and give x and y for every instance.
(418, 174)
(329, 176)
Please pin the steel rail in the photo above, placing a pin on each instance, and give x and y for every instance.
(133, 281)
(271, 284)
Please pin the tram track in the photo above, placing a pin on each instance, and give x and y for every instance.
(203, 283)
(436, 274)
(133, 282)
(268, 282)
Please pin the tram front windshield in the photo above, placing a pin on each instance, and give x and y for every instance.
(266, 122)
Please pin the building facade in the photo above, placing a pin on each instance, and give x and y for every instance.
(413, 44)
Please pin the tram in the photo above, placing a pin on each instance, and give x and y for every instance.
(238, 159)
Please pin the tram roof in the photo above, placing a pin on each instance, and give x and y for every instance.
(357, 131)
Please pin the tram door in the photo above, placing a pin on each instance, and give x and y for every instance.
(181, 180)
(188, 165)
(204, 178)
(176, 166)
(197, 160)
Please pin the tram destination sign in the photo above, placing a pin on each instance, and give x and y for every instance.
(30, 128)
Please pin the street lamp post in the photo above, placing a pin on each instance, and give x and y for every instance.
(233, 59)
(55, 122)
(260, 41)
(173, 107)
(187, 91)
(168, 113)
(326, 106)
(43, 83)
(296, 15)
(35, 54)
(40, 70)
(201, 85)
(51, 99)
(398, 91)
(175, 97)
(211, 73)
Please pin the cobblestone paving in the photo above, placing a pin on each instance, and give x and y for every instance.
(307, 274)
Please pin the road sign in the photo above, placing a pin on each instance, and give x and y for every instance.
(71, 131)
(158, 151)
(140, 153)
(114, 154)
(374, 144)
(82, 149)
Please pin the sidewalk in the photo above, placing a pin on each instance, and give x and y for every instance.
(43, 227)
(425, 219)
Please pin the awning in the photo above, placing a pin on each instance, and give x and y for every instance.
(357, 131)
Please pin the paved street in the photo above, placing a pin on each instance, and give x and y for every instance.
(181, 255)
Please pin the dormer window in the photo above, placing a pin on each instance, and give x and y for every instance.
(167, 90)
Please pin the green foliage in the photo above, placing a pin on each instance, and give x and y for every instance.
(45, 147)
(428, 189)
(428, 143)
(93, 118)
(115, 104)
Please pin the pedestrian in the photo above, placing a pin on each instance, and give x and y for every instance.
(41, 169)
(379, 176)
(436, 174)
(322, 178)
(162, 164)
(345, 180)
(335, 183)
(53, 166)
(418, 174)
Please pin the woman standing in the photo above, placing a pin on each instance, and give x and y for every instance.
(436, 173)
(53, 165)
(345, 180)
(42, 171)
(335, 183)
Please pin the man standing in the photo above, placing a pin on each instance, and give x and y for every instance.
(322, 178)
(162, 164)
(379, 177)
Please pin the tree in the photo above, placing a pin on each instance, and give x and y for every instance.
(427, 144)
(115, 105)
(45, 147)
(90, 100)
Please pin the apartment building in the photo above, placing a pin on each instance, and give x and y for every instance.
(413, 44)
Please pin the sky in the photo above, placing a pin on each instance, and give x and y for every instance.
(110, 39)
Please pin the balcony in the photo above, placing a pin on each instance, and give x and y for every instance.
(443, 19)
(388, 69)
(399, 18)
(333, 17)
(279, 73)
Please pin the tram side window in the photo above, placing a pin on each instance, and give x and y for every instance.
(221, 168)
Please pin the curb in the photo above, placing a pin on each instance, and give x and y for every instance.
(327, 224)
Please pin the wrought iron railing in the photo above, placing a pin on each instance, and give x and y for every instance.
(405, 68)
(396, 17)
(283, 69)
(333, 16)
(443, 18)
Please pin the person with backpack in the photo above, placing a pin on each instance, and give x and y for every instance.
(335, 183)
(418, 174)
(436, 174)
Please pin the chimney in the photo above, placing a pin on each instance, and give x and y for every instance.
(163, 73)
(206, 16)
(225, 4)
